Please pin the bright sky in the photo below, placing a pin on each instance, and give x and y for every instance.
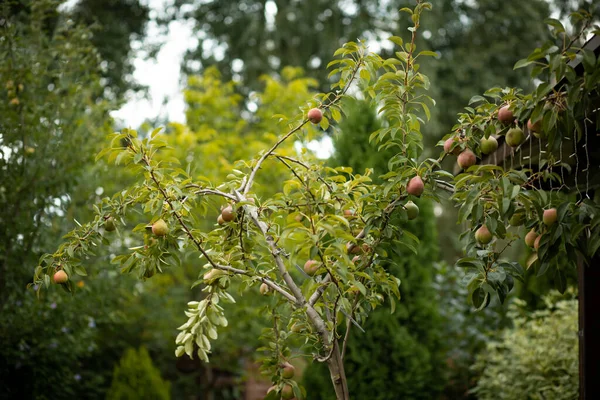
(164, 78)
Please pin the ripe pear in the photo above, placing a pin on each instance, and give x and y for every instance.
(466, 159)
(448, 146)
(536, 243)
(515, 137)
(227, 214)
(483, 235)
(315, 115)
(550, 216)
(287, 393)
(535, 127)
(349, 213)
(412, 210)
(415, 186)
(311, 267)
(60, 277)
(530, 238)
(489, 145)
(505, 115)
(160, 228)
(288, 370)
(109, 224)
(220, 220)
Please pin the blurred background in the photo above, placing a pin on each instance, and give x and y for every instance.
(213, 73)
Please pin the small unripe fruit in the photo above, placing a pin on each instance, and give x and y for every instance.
(483, 235)
(287, 393)
(315, 115)
(530, 238)
(517, 219)
(505, 115)
(550, 216)
(466, 159)
(264, 289)
(29, 150)
(220, 220)
(212, 275)
(160, 228)
(311, 267)
(536, 243)
(515, 137)
(348, 213)
(60, 277)
(288, 370)
(412, 210)
(415, 186)
(448, 146)
(489, 145)
(109, 224)
(227, 214)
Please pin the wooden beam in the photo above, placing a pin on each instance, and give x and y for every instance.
(589, 329)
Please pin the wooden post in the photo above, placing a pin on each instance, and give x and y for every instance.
(589, 329)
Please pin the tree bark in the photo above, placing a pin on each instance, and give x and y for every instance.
(337, 373)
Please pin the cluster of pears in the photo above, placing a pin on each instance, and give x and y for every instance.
(227, 215)
(514, 138)
(287, 372)
(549, 218)
(532, 238)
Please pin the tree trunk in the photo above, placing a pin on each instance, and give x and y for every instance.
(337, 373)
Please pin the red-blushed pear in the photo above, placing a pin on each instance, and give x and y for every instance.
(264, 289)
(489, 145)
(311, 267)
(536, 243)
(349, 213)
(534, 126)
(466, 159)
(109, 224)
(287, 393)
(515, 137)
(412, 210)
(160, 228)
(505, 115)
(288, 370)
(550, 216)
(220, 220)
(483, 235)
(227, 214)
(530, 238)
(60, 277)
(415, 186)
(315, 115)
(448, 146)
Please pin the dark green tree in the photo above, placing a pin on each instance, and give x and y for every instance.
(400, 355)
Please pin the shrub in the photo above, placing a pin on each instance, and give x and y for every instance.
(536, 359)
(137, 378)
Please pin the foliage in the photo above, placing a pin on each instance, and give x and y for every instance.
(329, 214)
(535, 359)
(137, 378)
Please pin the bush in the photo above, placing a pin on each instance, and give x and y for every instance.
(536, 359)
(137, 378)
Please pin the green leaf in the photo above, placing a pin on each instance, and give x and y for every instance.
(522, 63)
